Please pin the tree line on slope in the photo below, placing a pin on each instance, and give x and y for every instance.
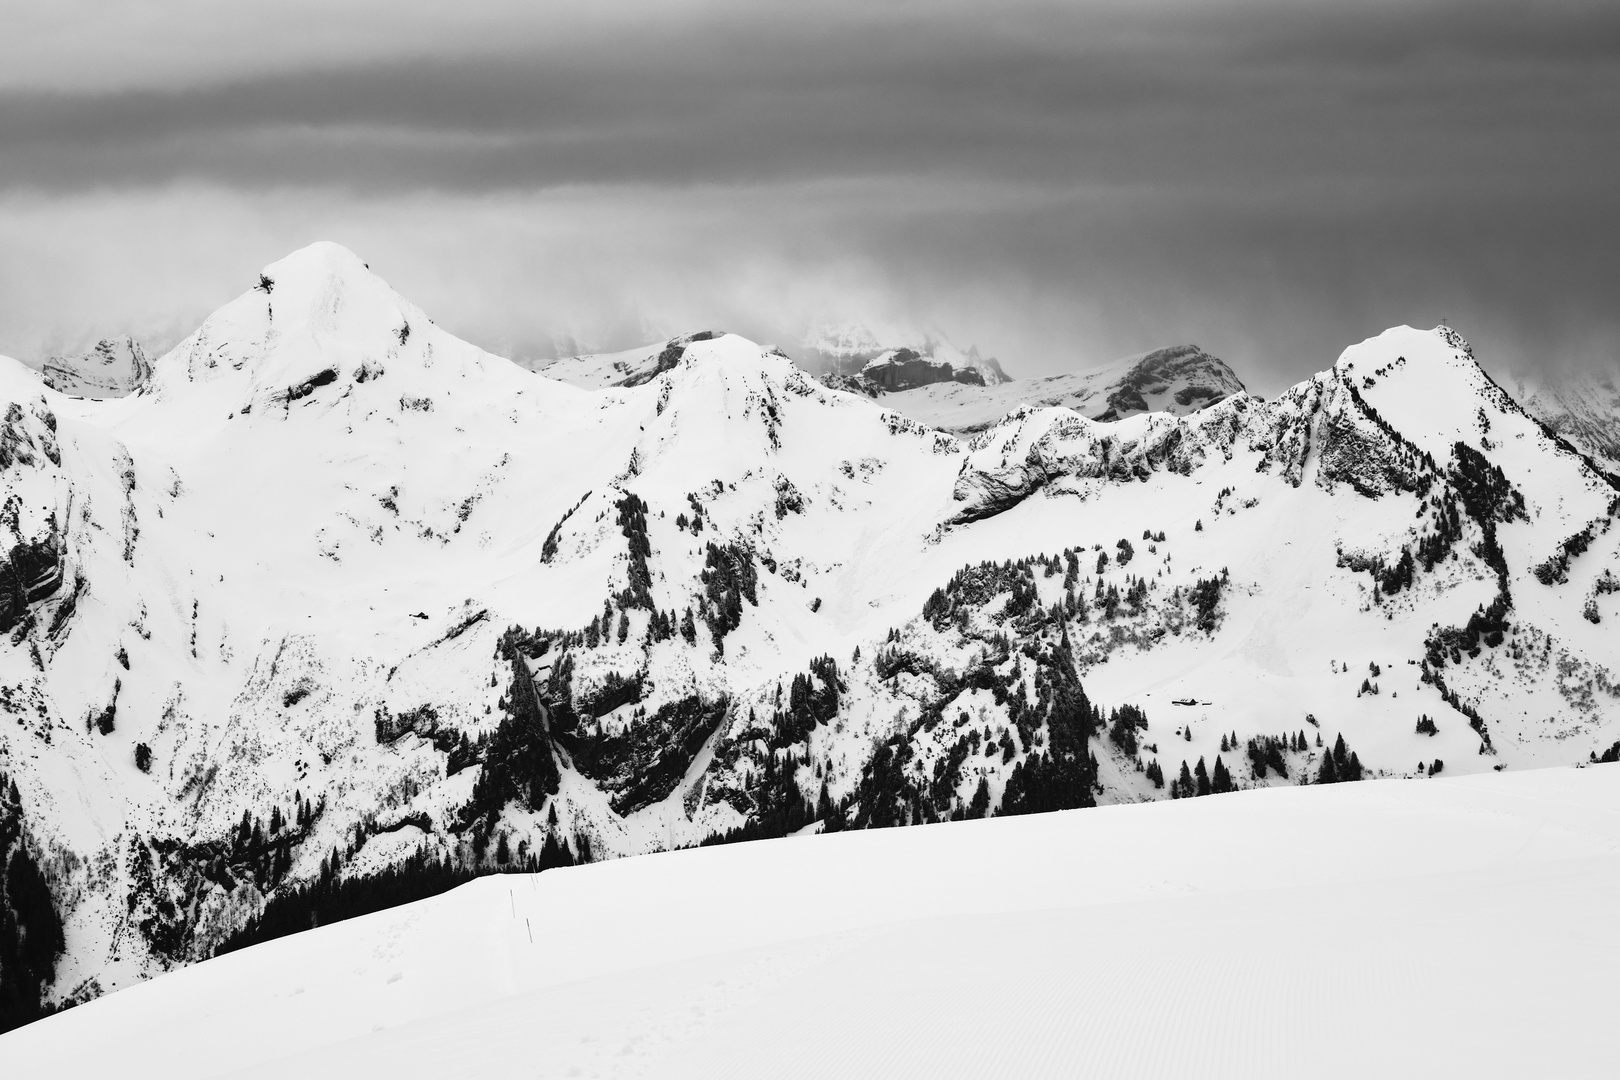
(30, 927)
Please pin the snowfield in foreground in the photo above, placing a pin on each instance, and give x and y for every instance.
(1394, 928)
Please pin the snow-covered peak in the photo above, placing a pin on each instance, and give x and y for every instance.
(1428, 385)
(318, 318)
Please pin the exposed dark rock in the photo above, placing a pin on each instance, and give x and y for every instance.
(30, 573)
(644, 762)
(311, 384)
(907, 370)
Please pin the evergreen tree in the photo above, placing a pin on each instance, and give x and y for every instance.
(1328, 774)
(979, 806)
(1184, 783)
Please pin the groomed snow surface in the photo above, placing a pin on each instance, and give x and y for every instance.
(1454, 927)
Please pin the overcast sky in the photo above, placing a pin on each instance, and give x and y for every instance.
(1061, 184)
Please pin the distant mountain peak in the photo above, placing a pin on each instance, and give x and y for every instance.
(1581, 406)
(1179, 380)
(114, 367)
(890, 356)
(319, 326)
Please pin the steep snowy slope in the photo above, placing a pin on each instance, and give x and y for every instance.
(339, 595)
(1584, 408)
(1177, 380)
(114, 368)
(1461, 927)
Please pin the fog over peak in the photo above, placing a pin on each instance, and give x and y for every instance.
(1060, 184)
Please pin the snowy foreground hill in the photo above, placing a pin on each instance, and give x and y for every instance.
(1456, 927)
(338, 610)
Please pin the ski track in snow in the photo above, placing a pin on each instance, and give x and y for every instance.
(1455, 927)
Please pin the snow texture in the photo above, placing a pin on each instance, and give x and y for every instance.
(1460, 927)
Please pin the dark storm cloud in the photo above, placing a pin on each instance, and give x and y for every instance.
(1274, 94)
(1272, 179)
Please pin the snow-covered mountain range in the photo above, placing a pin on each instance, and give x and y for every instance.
(340, 607)
(849, 357)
